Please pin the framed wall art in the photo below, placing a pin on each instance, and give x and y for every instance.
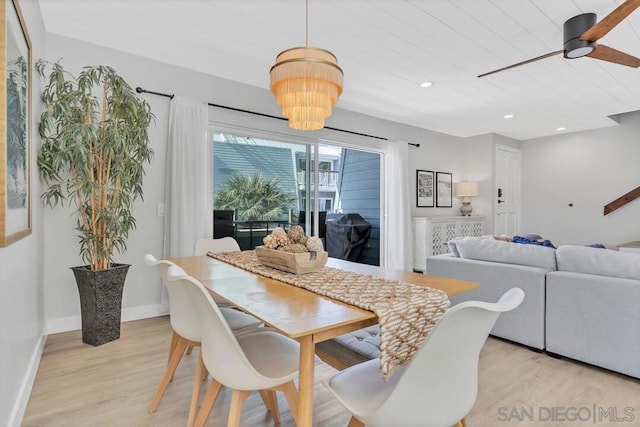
(15, 119)
(424, 189)
(444, 184)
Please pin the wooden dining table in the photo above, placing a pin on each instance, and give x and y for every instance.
(298, 313)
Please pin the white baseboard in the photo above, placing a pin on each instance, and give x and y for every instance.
(144, 312)
(63, 324)
(73, 323)
(17, 413)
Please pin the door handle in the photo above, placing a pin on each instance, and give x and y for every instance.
(500, 201)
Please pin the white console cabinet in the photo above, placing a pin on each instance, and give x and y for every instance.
(431, 234)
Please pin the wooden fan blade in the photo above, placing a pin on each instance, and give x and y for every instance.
(610, 54)
(522, 63)
(610, 21)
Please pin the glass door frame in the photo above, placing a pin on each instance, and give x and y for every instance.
(357, 143)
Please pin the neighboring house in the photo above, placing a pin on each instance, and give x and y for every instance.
(328, 172)
(246, 159)
(283, 161)
(359, 190)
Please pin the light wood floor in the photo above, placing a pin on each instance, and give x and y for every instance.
(112, 385)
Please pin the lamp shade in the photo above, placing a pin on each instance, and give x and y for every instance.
(466, 189)
(306, 83)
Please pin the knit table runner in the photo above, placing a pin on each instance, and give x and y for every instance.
(406, 312)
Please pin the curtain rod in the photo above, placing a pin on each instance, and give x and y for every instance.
(170, 96)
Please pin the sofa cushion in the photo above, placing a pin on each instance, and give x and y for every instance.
(453, 247)
(352, 348)
(508, 253)
(364, 341)
(602, 262)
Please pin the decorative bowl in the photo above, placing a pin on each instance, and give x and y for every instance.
(297, 263)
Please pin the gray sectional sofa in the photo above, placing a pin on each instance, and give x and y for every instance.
(499, 266)
(593, 308)
(580, 302)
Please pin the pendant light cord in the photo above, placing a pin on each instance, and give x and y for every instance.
(306, 40)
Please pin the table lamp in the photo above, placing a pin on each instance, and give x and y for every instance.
(466, 189)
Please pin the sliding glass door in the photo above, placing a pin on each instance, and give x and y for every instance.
(256, 186)
(263, 183)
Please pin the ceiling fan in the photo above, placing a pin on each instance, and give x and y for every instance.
(581, 34)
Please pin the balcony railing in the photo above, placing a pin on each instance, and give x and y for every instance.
(249, 234)
(328, 179)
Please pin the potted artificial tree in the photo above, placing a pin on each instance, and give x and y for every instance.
(94, 147)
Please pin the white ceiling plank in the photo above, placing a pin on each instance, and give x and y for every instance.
(386, 48)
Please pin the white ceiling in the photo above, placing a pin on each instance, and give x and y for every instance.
(386, 49)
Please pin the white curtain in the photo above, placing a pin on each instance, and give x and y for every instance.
(188, 184)
(399, 238)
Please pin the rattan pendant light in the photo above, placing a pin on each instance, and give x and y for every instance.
(306, 82)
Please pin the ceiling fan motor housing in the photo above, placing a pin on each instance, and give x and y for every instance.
(573, 29)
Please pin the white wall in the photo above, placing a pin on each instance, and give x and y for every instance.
(437, 153)
(588, 169)
(468, 159)
(143, 290)
(21, 276)
(477, 158)
(475, 162)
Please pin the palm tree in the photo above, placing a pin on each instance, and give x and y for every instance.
(254, 197)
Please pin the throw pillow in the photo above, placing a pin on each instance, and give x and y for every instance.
(526, 241)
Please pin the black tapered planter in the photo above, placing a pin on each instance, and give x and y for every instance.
(100, 302)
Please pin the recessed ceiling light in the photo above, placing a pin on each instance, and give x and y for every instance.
(426, 84)
(561, 128)
(508, 116)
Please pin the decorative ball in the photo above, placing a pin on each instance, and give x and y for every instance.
(279, 231)
(314, 244)
(296, 233)
(281, 239)
(270, 242)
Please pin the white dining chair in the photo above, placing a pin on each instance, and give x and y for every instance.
(185, 324)
(438, 387)
(224, 244)
(264, 360)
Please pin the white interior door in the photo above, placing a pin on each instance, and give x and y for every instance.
(507, 191)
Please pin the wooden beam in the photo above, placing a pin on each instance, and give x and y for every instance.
(621, 201)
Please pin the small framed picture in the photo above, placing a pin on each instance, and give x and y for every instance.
(444, 184)
(424, 189)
